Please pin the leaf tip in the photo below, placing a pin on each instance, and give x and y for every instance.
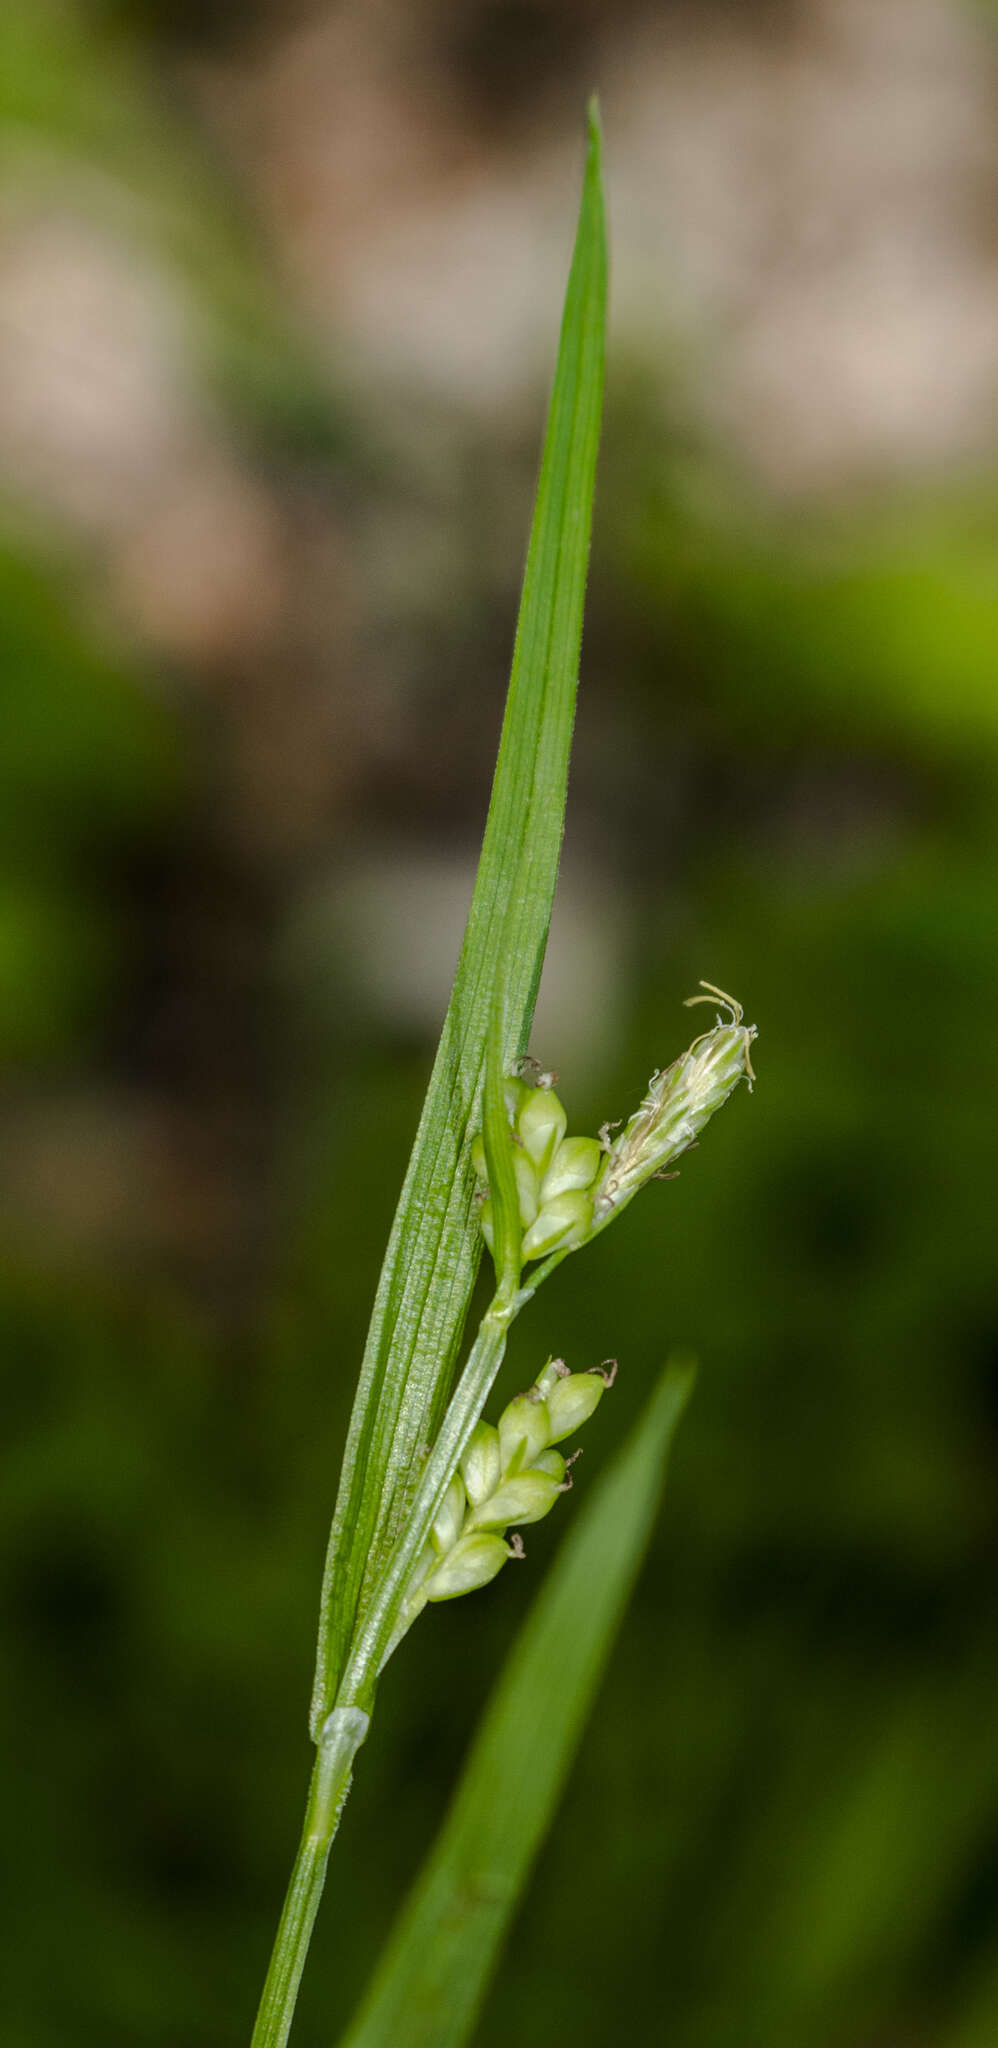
(594, 131)
(681, 1373)
(673, 1391)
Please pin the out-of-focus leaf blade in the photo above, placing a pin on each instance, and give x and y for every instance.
(435, 1245)
(435, 1969)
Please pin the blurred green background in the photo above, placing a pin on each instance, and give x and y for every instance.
(280, 292)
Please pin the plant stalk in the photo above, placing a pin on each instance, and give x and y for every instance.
(346, 1727)
(342, 1735)
(376, 1638)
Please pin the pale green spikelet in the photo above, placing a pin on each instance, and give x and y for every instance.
(481, 1464)
(568, 1188)
(526, 1497)
(563, 1223)
(473, 1562)
(552, 1462)
(447, 1526)
(527, 1187)
(507, 1478)
(540, 1126)
(524, 1431)
(575, 1165)
(680, 1101)
(574, 1400)
(555, 1175)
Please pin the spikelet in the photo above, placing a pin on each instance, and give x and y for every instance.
(680, 1101)
(507, 1477)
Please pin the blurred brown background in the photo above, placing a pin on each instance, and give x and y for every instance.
(279, 294)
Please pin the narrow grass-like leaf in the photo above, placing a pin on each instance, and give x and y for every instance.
(432, 1258)
(434, 1972)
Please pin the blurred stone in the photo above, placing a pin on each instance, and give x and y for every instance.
(94, 396)
(203, 576)
(386, 934)
(802, 208)
(101, 1178)
(106, 431)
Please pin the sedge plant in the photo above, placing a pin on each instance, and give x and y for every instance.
(433, 1495)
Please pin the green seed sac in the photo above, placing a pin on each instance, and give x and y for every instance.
(556, 1176)
(568, 1188)
(507, 1477)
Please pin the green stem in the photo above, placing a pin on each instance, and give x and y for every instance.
(345, 1728)
(376, 1638)
(342, 1735)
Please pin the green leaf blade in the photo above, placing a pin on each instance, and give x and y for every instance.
(433, 1974)
(435, 1245)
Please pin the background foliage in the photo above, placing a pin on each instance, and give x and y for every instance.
(256, 599)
